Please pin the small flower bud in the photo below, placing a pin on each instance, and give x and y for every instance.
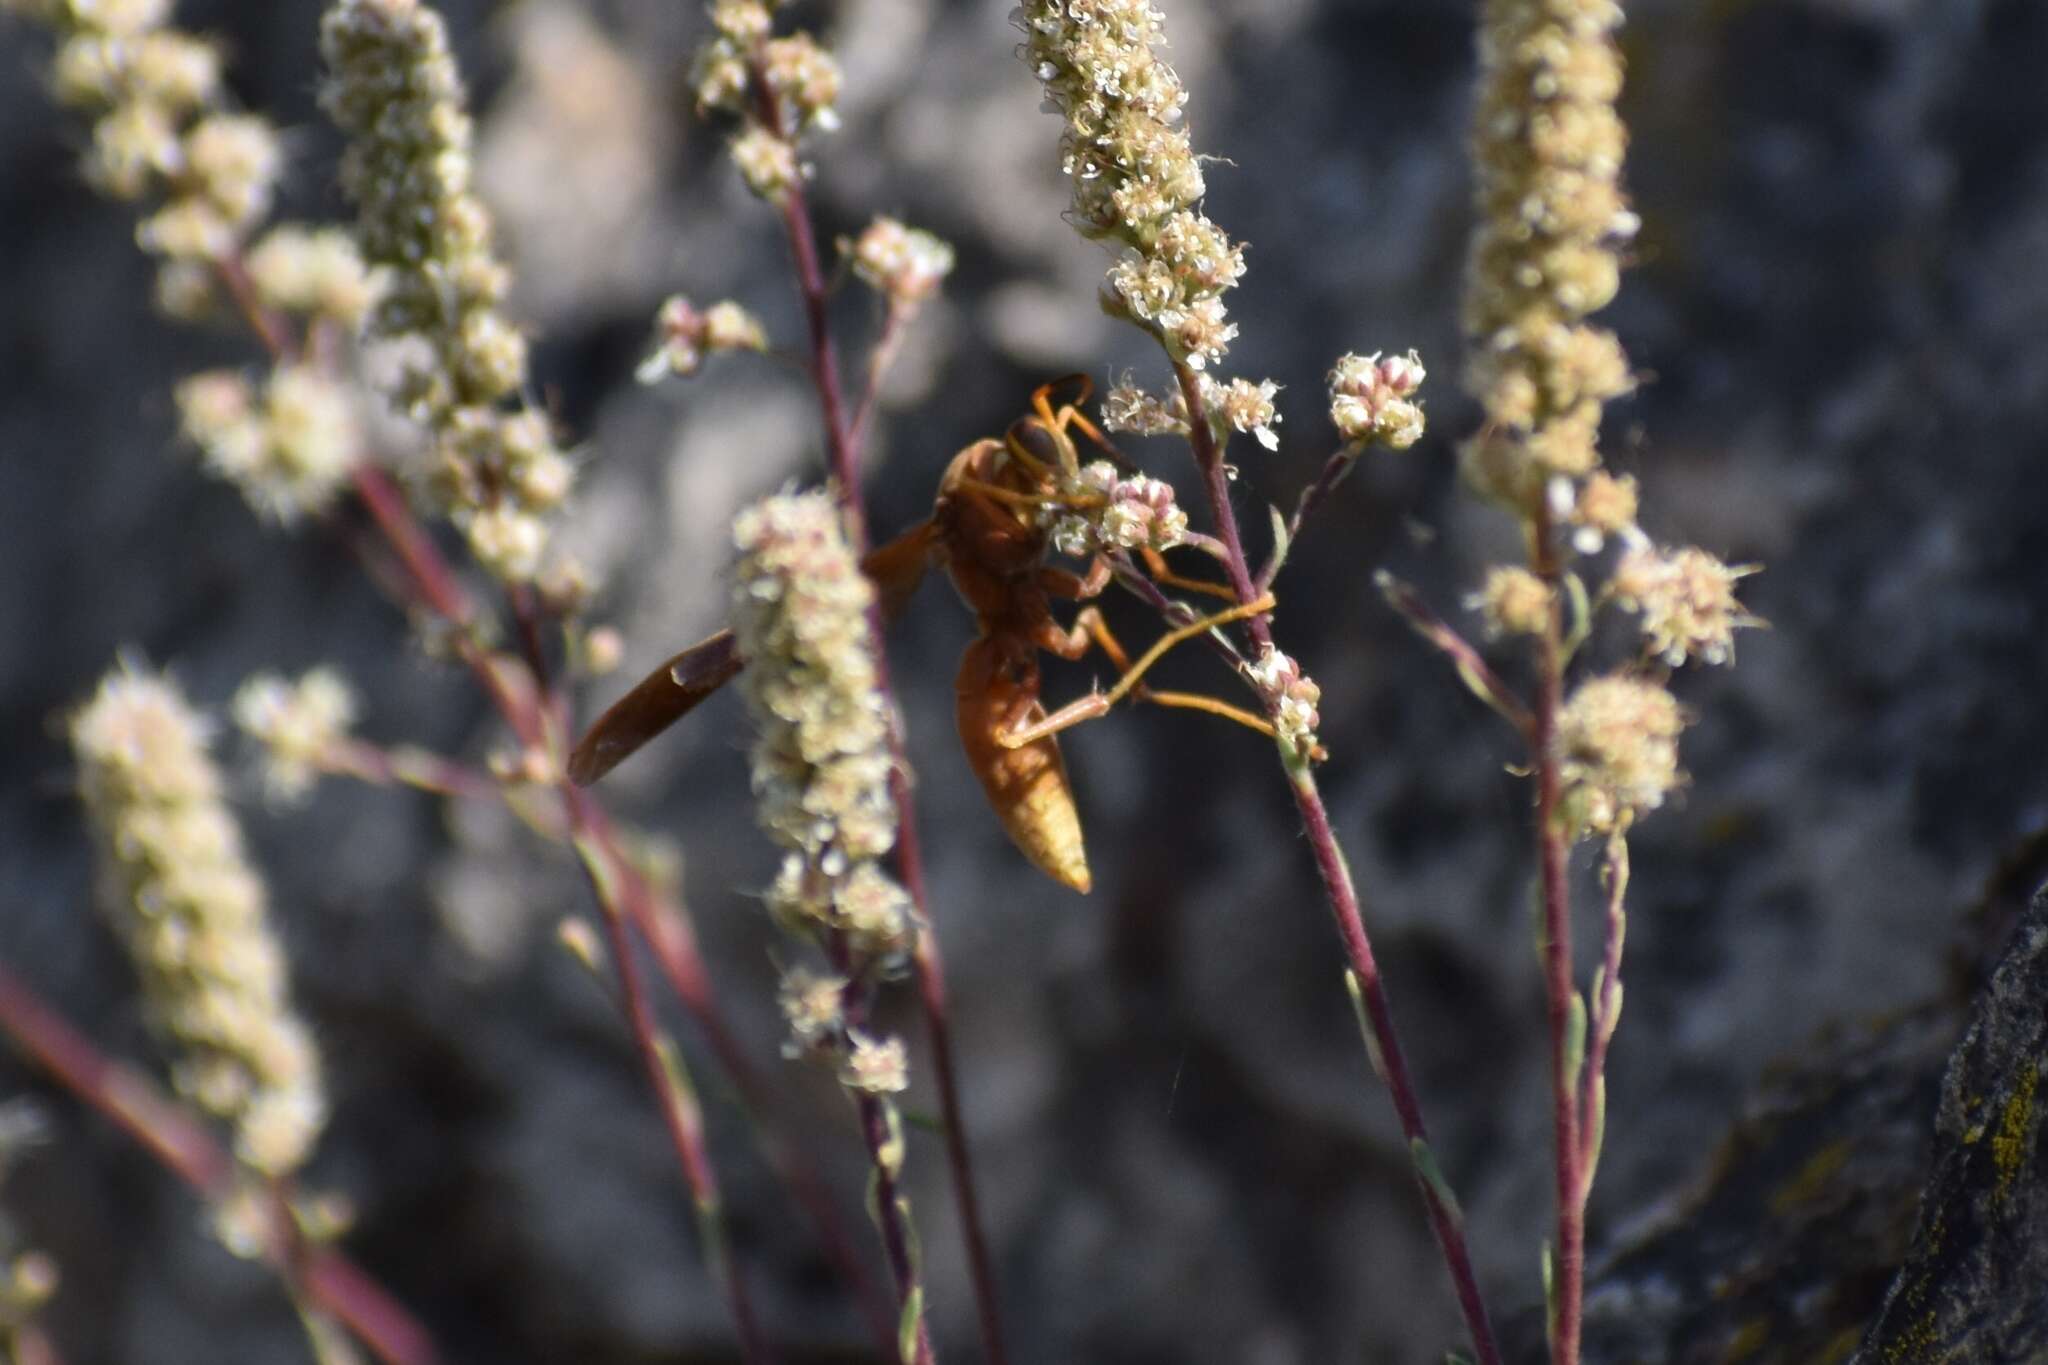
(904, 264)
(298, 725)
(1370, 399)
(812, 1006)
(1241, 405)
(876, 1067)
(1513, 602)
(1291, 697)
(767, 162)
(1619, 738)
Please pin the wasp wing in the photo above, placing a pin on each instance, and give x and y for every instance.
(658, 701)
(897, 568)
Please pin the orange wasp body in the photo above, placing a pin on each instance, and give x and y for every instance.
(988, 531)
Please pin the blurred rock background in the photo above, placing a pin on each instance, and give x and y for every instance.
(1842, 314)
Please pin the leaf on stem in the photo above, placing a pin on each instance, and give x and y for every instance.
(1574, 1040)
(1372, 1047)
(1433, 1176)
(1596, 1133)
(1282, 543)
(907, 1324)
(1549, 1293)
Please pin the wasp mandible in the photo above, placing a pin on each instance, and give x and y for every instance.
(989, 531)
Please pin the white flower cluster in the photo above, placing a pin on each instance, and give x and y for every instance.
(1117, 512)
(1291, 697)
(1372, 399)
(289, 449)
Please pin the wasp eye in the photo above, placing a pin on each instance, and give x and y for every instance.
(1029, 435)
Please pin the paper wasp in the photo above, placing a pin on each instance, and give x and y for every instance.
(988, 531)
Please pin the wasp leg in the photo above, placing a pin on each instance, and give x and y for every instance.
(1034, 501)
(1079, 588)
(1156, 565)
(1041, 397)
(1091, 620)
(1089, 627)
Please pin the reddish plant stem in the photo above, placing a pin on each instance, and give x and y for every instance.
(1470, 663)
(1335, 470)
(30, 1346)
(409, 766)
(1343, 899)
(678, 1110)
(1569, 1267)
(875, 1130)
(325, 1278)
(843, 448)
(673, 943)
(434, 586)
(895, 322)
(270, 328)
(429, 573)
(665, 928)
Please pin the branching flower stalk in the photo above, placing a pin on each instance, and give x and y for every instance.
(320, 1276)
(291, 443)
(781, 89)
(1553, 223)
(193, 914)
(1138, 183)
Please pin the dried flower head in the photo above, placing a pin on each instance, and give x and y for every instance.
(780, 88)
(1605, 509)
(821, 763)
(312, 271)
(393, 87)
(767, 161)
(687, 337)
(1687, 601)
(1129, 409)
(194, 916)
(161, 128)
(298, 725)
(1618, 736)
(1241, 405)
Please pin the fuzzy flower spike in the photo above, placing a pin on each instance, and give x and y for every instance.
(1548, 252)
(1137, 180)
(195, 919)
(392, 86)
